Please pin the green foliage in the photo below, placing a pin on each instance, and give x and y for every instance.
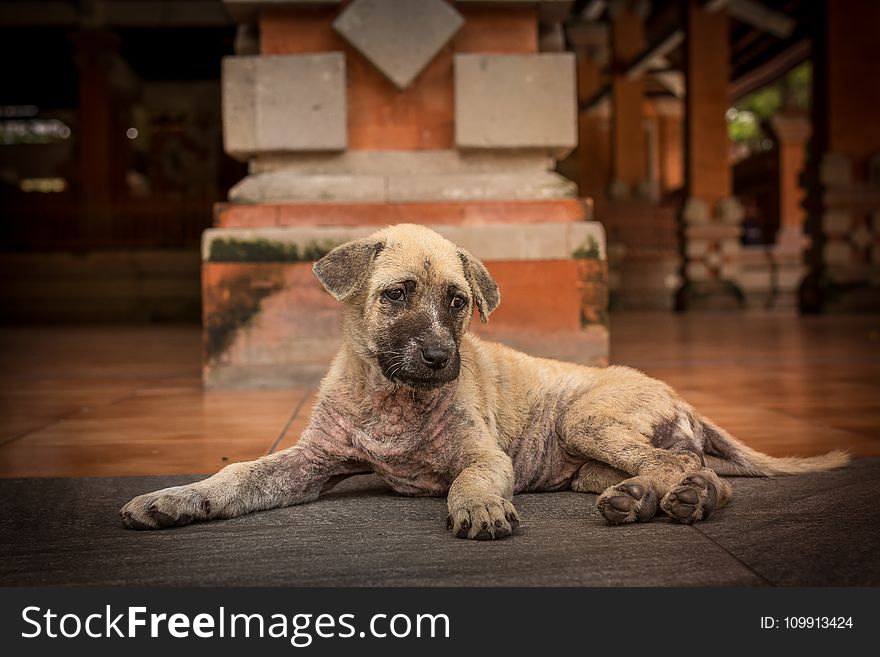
(746, 120)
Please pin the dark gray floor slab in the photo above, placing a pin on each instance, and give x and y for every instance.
(821, 529)
(810, 530)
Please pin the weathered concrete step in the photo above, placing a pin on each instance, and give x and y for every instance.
(399, 162)
(285, 185)
(544, 241)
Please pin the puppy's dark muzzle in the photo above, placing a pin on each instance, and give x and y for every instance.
(436, 358)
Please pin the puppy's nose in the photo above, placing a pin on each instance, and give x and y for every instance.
(435, 357)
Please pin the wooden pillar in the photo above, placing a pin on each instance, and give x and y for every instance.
(843, 173)
(670, 138)
(708, 75)
(628, 150)
(94, 53)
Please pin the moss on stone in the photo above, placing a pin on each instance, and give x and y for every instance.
(588, 250)
(263, 250)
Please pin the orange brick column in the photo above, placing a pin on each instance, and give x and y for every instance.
(712, 218)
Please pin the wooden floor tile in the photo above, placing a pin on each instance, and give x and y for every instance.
(83, 401)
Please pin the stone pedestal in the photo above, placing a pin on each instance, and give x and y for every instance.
(770, 277)
(360, 114)
(712, 249)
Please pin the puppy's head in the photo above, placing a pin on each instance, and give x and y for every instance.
(409, 295)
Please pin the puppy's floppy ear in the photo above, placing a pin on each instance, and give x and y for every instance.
(483, 286)
(342, 271)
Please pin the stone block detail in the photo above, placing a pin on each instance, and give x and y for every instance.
(835, 170)
(730, 211)
(696, 211)
(713, 253)
(836, 222)
(284, 103)
(837, 253)
(289, 186)
(399, 37)
(697, 271)
(516, 101)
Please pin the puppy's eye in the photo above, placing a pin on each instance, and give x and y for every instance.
(458, 302)
(395, 294)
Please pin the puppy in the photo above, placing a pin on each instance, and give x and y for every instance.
(434, 410)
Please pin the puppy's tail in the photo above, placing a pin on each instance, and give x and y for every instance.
(728, 456)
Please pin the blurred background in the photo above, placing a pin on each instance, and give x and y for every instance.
(691, 187)
(110, 156)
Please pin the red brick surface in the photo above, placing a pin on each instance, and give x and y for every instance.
(228, 215)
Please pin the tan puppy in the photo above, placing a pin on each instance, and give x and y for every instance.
(433, 410)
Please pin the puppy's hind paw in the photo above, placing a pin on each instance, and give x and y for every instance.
(628, 501)
(695, 498)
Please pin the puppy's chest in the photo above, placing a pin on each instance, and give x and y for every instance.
(408, 446)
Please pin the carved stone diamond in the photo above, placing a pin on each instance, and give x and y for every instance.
(399, 37)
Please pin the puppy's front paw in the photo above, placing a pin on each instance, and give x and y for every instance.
(169, 507)
(483, 520)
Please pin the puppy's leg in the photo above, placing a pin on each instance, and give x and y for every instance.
(479, 498)
(292, 476)
(657, 471)
(595, 477)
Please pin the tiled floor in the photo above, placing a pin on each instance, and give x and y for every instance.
(80, 401)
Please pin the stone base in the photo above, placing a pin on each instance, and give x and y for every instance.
(709, 295)
(770, 277)
(268, 322)
(828, 296)
(645, 284)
